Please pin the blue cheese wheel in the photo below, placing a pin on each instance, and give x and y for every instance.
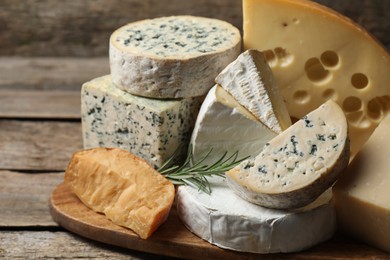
(152, 129)
(172, 57)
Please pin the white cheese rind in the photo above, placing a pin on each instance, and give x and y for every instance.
(172, 57)
(225, 129)
(227, 221)
(299, 164)
(149, 128)
(250, 81)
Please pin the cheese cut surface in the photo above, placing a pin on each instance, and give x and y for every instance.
(226, 220)
(299, 164)
(172, 57)
(317, 54)
(149, 128)
(122, 186)
(224, 126)
(362, 195)
(250, 81)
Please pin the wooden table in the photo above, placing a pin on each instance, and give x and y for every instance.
(40, 129)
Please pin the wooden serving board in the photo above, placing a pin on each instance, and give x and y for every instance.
(173, 239)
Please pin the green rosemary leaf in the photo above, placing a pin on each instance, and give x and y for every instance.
(171, 169)
(196, 174)
(180, 176)
(219, 161)
(201, 184)
(199, 163)
(177, 182)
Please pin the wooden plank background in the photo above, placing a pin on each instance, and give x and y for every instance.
(82, 28)
(38, 145)
(48, 48)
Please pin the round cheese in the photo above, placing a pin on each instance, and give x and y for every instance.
(227, 221)
(172, 57)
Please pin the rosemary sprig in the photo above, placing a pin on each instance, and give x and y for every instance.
(195, 174)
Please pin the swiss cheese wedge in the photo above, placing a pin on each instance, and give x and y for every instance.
(122, 186)
(361, 195)
(299, 164)
(317, 54)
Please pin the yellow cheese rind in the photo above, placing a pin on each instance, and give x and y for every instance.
(362, 195)
(317, 54)
(122, 186)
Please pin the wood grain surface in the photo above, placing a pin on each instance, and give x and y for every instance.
(24, 198)
(38, 145)
(40, 104)
(48, 49)
(48, 88)
(173, 239)
(27, 230)
(57, 244)
(47, 73)
(82, 28)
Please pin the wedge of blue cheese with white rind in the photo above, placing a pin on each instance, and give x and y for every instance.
(224, 126)
(299, 164)
(227, 221)
(150, 128)
(250, 81)
(172, 57)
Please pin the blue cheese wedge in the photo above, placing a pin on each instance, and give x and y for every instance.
(250, 81)
(299, 164)
(227, 221)
(224, 126)
(149, 128)
(172, 57)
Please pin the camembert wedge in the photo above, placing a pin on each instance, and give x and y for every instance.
(224, 126)
(122, 186)
(250, 81)
(299, 164)
(241, 113)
